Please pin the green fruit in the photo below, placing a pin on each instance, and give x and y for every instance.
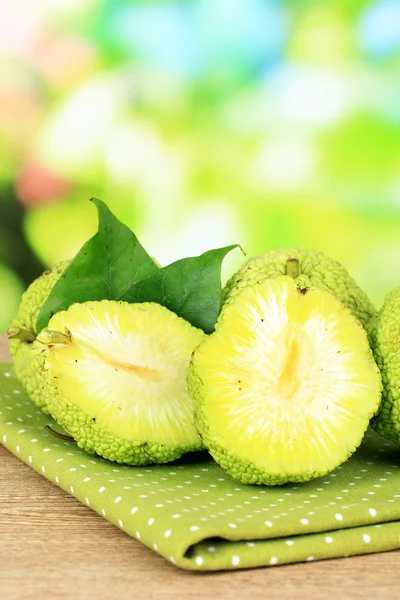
(22, 332)
(384, 333)
(114, 377)
(285, 387)
(310, 269)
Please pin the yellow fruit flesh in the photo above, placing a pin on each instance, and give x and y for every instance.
(288, 380)
(125, 365)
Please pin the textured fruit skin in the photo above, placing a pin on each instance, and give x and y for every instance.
(23, 353)
(316, 271)
(245, 471)
(384, 334)
(89, 435)
(94, 439)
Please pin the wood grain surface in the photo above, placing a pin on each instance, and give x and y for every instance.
(53, 547)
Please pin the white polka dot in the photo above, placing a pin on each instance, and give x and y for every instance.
(59, 460)
(150, 521)
(273, 561)
(235, 560)
(73, 469)
(250, 544)
(199, 560)
(304, 521)
(309, 558)
(372, 512)
(366, 538)
(137, 535)
(17, 448)
(232, 525)
(194, 528)
(30, 458)
(155, 547)
(87, 501)
(103, 512)
(328, 539)
(167, 533)
(176, 516)
(289, 542)
(268, 523)
(71, 489)
(34, 440)
(117, 499)
(339, 517)
(86, 479)
(211, 548)
(43, 469)
(102, 489)
(57, 480)
(133, 510)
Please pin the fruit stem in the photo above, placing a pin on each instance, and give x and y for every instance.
(21, 334)
(50, 336)
(292, 267)
(57, 434)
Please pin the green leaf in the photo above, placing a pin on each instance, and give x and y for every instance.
(105, 268)
(190, 287)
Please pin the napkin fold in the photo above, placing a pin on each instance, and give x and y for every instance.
(193, 514)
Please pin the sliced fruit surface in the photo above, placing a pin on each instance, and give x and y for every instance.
(285, 387)
(120, 369)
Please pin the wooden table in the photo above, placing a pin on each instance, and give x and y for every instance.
(51, 546)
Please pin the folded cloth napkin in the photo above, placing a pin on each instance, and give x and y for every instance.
(193, 514)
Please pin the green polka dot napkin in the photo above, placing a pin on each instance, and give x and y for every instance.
(192, 513)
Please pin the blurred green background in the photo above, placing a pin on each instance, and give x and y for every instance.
(201, 123)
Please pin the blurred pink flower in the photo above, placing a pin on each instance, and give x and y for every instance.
(37, 185)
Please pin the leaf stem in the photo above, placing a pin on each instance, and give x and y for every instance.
(57, 434)
(292, 267)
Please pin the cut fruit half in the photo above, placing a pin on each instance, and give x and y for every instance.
(116, 379)
(285, 387)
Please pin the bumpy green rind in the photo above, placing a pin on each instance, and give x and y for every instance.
(94, 439)
(245, 471)
(316, 271)
(22, 352)
(384, 334)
